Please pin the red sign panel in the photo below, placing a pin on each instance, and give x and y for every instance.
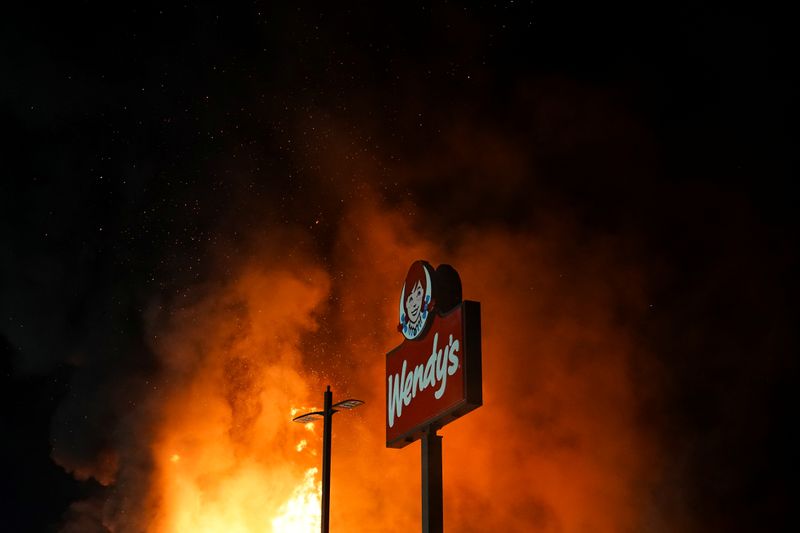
(436, 378)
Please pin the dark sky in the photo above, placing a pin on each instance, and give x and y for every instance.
(141, 141)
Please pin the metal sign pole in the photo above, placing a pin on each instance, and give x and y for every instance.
(431, 310)
(326, 461)
(432, 511)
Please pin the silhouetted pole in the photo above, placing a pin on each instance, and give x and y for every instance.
(432, 514)
(326, 461)
(327, 420)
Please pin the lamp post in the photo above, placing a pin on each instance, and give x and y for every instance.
(327, 416)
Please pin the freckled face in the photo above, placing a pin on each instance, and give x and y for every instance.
(414, 303)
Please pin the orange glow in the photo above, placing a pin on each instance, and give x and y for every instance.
(556, 446)
(302, 511)
(236, 357)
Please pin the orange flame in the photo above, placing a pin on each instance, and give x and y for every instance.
(235, 355)
(556, 446)
(302, 511)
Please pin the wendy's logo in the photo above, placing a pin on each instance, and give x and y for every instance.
(427, 382)
(416, 301)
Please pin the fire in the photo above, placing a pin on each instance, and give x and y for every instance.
(302, 512)
(231, 415)
(241, 355)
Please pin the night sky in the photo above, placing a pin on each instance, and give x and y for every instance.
(148, 148)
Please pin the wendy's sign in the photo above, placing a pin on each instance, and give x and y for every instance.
(434, 376)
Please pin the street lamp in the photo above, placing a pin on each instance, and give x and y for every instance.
(327, 415)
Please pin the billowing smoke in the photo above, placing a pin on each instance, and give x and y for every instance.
(556, 445)
(204, 442)
(629, 325)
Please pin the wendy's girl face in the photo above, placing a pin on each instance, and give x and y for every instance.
(414, 302)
